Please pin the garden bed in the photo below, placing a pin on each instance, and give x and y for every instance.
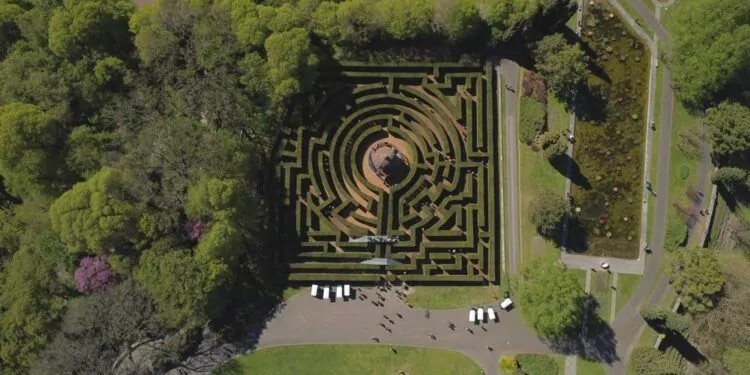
(610, 132)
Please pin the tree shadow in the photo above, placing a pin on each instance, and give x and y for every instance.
(589, 104)
(561, 163)
(576, 236)
(594, 68)
(594, 341)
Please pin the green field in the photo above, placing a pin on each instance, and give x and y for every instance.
(584, 367)
(536, 175)
(453, 297)
(350, 359)
(626, 285)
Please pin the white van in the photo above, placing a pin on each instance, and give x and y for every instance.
(326, 292)
(472, 315)
(491, 315)
(314, 290)
(347, 291)
(480, 314)
(339, 292)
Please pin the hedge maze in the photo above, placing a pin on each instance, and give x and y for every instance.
(396, 163)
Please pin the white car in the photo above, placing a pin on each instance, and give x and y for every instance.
(480, 314)
(339, 292)
(506, 304)
(326, 292)
(472, 315)
(604, 265)
(347, 291)
(314, 290)
(491, 315)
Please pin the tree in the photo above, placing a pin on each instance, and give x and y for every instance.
(30, 141)
(548, 212)
(187, 290)
(9, 31)
(91, 25)
(697, 276)
(291, 62)
(551, 300)
(729, 126)
(649, 361)
(31, 300)
(554, 145)
(401, 22)
(563, 65)
(737, 361)
(96, 215)
(93, 274)
(458, 20)
(727, 325)
(730, 177)
(711, 49)
(97, 328)
(665, 320)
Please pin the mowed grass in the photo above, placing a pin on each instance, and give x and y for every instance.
(536, 175)
(601, 283)
(584, 367)
(453, 297)
(626, 285)
(350, 359)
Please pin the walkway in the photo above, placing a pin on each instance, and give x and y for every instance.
(307, 320)
(509, 71)
(628, 324)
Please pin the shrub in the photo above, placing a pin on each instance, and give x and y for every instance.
(684, 171)
(508, 365)
(676, 234)
(533, 120)
(649, 361)
(536, 364)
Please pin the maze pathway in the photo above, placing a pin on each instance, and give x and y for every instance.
(443, 208)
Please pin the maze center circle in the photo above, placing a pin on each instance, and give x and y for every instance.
(386, 162)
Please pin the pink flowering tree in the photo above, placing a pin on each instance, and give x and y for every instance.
(195, 228)
(93, 274)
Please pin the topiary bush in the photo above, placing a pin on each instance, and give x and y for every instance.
(536, 364)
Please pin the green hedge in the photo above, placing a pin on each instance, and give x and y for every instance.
(532, 120)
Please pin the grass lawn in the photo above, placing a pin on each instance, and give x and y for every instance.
(580, 276)
(601, 283)
(536, 174)
(451, 297)
(626, 285)
(348, 359)
(584, 367)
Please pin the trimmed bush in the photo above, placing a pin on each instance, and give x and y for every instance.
(536, 364)
(533, 120)
(508, 365)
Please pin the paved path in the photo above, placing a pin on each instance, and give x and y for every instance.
(650, 19)
(571, 365)
(509, 71)
(628, 324)
(307, 320)
(613, 301)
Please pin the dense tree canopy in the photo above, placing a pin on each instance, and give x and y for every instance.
(729, 124)
(551, 300)
(96, 215)
(697, 276)
(711, 49)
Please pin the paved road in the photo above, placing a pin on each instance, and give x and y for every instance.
(306, 320)
(629, 323)
(509, 71)
(650, 19)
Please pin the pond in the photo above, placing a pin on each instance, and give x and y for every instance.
(610, 131)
